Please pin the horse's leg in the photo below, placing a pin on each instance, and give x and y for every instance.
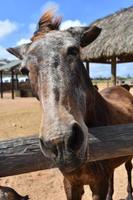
(128, 166)
(111, 187)
(100, 189)
(73, 192)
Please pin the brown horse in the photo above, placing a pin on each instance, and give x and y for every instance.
(71, 105)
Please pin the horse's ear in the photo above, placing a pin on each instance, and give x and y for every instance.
(19, 51)
(89, 35)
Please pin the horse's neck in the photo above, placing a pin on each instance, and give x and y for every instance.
(97, 108)
(98, 113)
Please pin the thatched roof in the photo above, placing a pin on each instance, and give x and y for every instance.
(10, 65)
(115, 40)
(4, 62)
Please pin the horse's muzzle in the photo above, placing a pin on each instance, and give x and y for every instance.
(65, 150)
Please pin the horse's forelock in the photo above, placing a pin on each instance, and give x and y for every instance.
(47, 23)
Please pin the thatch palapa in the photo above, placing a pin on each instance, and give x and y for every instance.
(115, 40)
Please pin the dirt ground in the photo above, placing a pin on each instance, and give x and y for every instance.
(47, 185)
(21, 117)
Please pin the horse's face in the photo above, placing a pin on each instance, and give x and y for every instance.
(59, 80)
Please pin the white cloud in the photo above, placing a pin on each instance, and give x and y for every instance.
(5, 54)
(71, 23)
(23, 41)
(50, 5)
(7, 27)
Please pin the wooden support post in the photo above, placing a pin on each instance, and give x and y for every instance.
(88, 68)
(113, 71)
(17, 84)
(12, 79)
(23, 155)
(1, 84)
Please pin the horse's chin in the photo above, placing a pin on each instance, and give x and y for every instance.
(69, 166)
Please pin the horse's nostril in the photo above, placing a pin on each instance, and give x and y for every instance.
(76, 138)
(48, 148)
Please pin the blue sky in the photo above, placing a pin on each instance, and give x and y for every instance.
(18, 20)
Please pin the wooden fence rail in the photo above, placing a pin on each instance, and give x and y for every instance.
(23, 155)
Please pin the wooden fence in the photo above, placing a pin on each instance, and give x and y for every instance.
(23, 155)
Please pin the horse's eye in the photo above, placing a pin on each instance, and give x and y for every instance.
(73, 51)
(24, 71)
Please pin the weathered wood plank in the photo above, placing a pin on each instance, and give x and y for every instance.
(23, 155)
(110, 142)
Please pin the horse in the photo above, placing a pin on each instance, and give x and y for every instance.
(7, 193)
(71, 105)
(126, 86)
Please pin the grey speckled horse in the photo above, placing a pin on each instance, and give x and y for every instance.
(71, 105)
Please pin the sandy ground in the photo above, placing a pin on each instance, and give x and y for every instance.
(47, 185)
(21, 117)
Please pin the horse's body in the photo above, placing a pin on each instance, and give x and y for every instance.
(120, 103)
(113, 106)
(71, 105)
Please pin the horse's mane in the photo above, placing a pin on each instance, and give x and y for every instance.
(47, 23)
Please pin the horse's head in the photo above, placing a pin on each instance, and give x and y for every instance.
(60, 81)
